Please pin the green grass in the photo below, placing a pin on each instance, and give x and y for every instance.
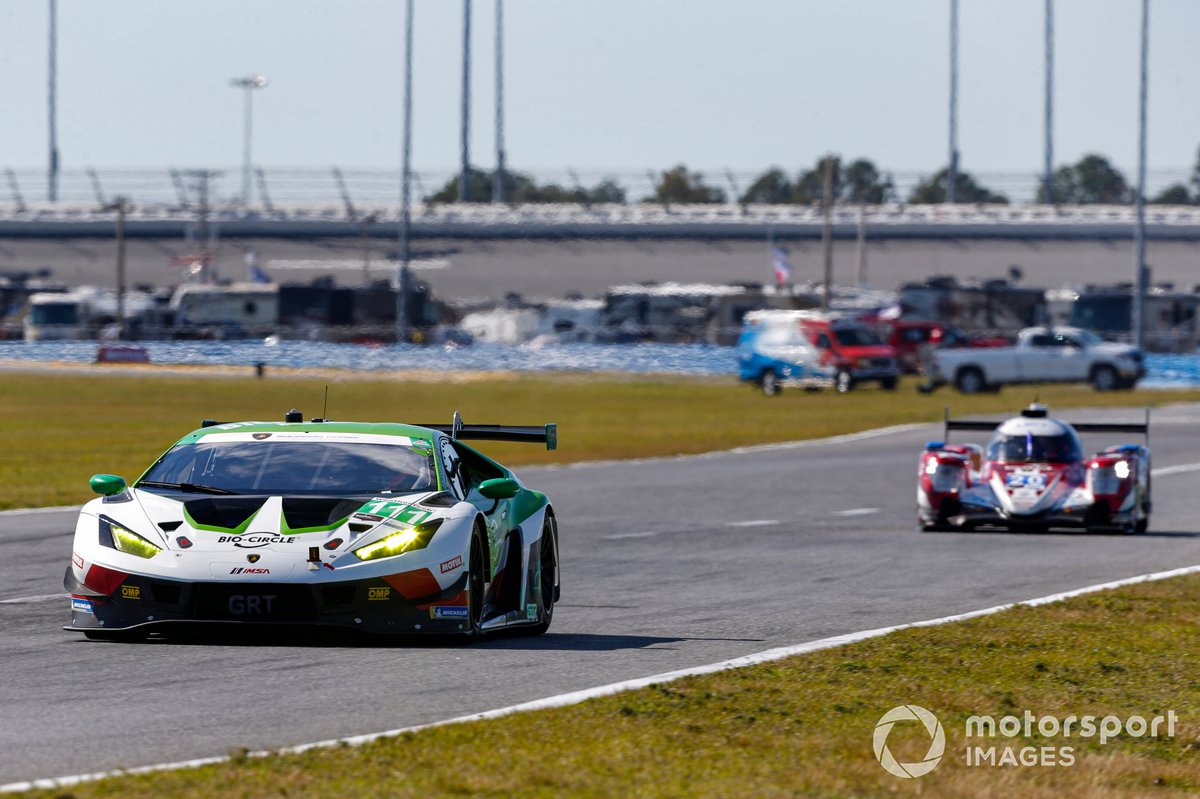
(802, 726)
(56, 430)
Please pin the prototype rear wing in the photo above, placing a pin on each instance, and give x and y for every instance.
(1136, 428)
(524, 434)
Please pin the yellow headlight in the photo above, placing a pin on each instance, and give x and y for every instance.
(133, 544)
(394, 544)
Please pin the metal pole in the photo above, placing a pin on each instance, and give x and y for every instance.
(860, 277)
(52, 177)
(498, 180)
(96, 188)
(1137, 322)
(403, 328)
(1048, 171)
(952, 172)
(465, 166)
(121, 204)
(827, 234)
(262, 191)
(246, 157)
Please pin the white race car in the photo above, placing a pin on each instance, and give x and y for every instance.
(1034, 475)
(382, 527)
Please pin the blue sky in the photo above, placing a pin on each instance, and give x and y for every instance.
(616, 85)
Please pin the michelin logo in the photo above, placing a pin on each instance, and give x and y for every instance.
(449, 613)
(82, 605)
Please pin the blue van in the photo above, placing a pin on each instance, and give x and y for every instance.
(774, 351)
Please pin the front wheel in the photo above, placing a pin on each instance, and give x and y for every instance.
(970, 381)
(769, 383)
(1104, 378)
(888, 383)
(476, 584)
(547, 582)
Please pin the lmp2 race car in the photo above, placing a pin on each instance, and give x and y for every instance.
(385, 528)
(1033, 476)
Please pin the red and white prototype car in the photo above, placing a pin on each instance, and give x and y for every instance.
(1033, 475)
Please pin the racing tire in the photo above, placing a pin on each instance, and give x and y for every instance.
(548, 586)
(843, 381)
(1143, 524)
(969, 380)
(769, 383)
(888, 383)
(476, 584)
(1104, 378)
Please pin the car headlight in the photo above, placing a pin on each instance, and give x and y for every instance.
(117, 537)
(399, 542)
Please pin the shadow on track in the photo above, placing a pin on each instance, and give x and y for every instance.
(310, 638)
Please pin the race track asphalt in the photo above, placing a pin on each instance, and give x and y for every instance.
(666, 564)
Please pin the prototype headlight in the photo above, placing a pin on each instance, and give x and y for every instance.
(399, 542)
(127, 541)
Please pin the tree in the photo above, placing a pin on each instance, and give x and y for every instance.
(1196, 176)
(678, 185)
(772, 186)
(1090, 181)
(1175, 194)
(810, 184)
(521, 188)
(866, 184)
(966, 190)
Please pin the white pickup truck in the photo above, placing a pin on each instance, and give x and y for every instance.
(1041, 355)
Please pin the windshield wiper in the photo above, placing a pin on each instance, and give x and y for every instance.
(190, 487)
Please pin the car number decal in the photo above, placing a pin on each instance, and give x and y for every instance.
(400, 511)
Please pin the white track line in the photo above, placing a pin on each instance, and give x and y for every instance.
(575, 697)
(623, 536)
(753, 523)
(856, 512)
(1180, 469)
(23, 600)
(27, 511)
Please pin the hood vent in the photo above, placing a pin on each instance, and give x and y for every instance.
(224, 512)
(169, 527)
(301, 512)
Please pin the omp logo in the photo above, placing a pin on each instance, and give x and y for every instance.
(131, 592)
(379, 593)
(936, 747)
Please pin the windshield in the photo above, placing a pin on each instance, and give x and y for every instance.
(1028, 448)
(297, 467)
(855, 337)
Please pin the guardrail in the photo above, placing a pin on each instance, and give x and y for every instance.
(614, 221)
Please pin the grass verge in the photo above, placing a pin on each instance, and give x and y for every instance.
(803, 726)
(56, 430)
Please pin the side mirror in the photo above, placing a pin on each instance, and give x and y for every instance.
(499, 488)
(107, 484)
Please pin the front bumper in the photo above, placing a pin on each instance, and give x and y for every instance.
(372, 605)
(1094, 517)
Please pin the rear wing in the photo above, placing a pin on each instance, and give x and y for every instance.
(525, 434)
(1136, 428)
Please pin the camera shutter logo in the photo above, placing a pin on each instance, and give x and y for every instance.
(936, 747)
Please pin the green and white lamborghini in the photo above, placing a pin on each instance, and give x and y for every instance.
(381, 527)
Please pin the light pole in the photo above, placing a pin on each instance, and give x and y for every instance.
(465, 132)
(403, 323)
(52, 96)
(248, 84)
(952, 172)
(1137, 321)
